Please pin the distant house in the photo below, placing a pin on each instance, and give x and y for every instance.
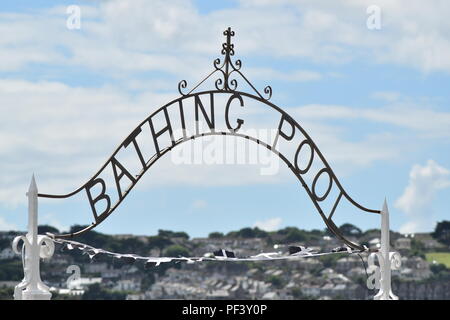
(135, 297)
(71, 292)
(428, 241)
(327, 289)
(310, 290)
(356, 272)
(375, 243)
(128, 285)
(431, 244)
(218, 294)
(346, 263)
(403, 244)
(81, 283)
(415, 268)
(8, 284)
(272, 295)
(309, 264)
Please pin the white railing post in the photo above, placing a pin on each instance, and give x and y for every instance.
(387, 260)
(34, 247)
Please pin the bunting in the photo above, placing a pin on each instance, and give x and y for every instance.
(294, 253)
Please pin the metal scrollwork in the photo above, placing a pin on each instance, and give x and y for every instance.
(43, 248)
(380, 277)
(182, 85)
(396, 260)
(268, 91)
(46, 247)
(225, 69)
(15, 244)
(225, 78)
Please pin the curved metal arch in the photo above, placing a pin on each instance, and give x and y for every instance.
(224, 85)
(298, 173)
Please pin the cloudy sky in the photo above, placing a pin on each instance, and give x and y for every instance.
(374, 98)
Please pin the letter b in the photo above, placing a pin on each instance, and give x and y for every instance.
(100, 196)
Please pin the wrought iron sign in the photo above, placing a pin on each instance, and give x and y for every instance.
(160, 130)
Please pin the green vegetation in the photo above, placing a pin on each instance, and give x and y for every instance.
(439, 257)
(440, 272)
(43, 229)
(248, 233)
(5, 243)
(176, 250)
(11, 270)
(293, 234)
(172, 234)
(159, 242)
(6, 293)
(96, 292)
(297, 293)
(276, 281)
(58, 296)
(285, 235)
(132, 244)
(417, 249)
(147, 281)
(216, 235)
(442, 232)
(329, 261)
(348, 229)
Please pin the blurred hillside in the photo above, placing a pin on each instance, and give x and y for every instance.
(425, 271)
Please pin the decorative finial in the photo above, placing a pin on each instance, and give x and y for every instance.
(228, 47)
(385, 206)
(32, 189)
(226, 70)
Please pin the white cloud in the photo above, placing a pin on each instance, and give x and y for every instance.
(171, 36)
(413, 35)
(61, 133)
(389, 96)
(293, 76)
(417, 199)
(424, 120)
(269, 224)
(64, 134)
(50, 219)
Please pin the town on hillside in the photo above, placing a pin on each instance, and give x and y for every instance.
(424, 274)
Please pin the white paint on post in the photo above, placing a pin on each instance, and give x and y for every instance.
(387, 260)
(34, 247)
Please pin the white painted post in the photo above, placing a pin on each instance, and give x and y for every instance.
(387, 260)
(34, 247)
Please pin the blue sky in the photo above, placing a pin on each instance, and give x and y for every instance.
(375, 101)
